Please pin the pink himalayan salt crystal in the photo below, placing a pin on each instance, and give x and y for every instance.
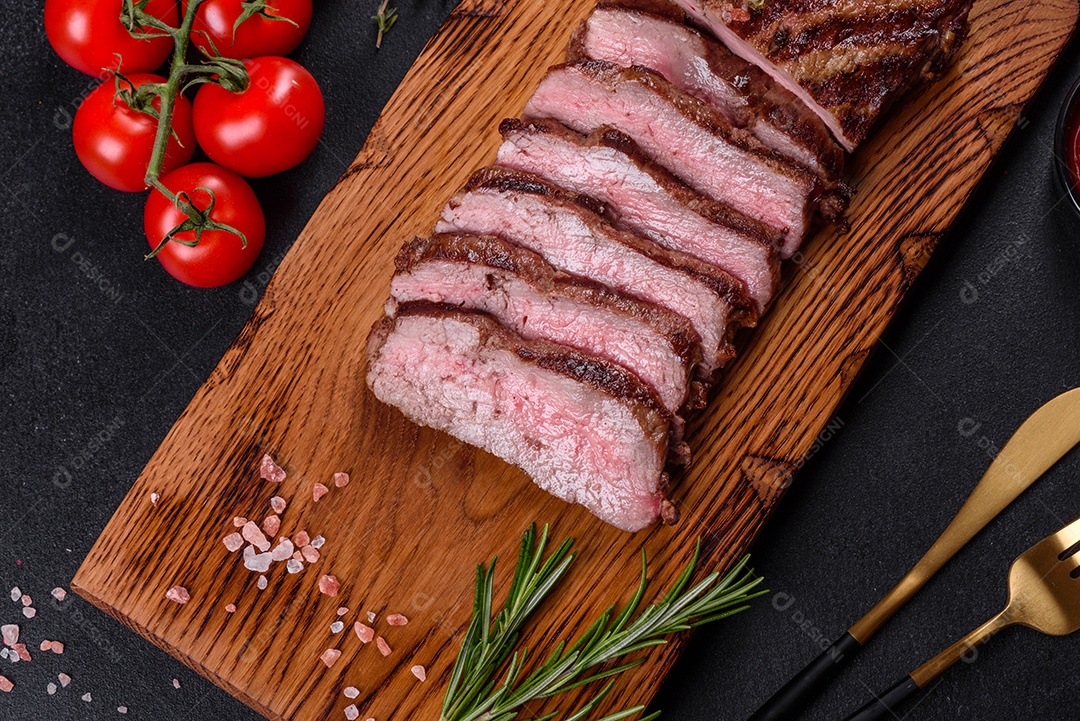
(262, 583)
(271, 525)
(50, 689)
(420, 672)
(176, 683)
(318, 491)
(16, 594)
(278, 504)
(270, 470)
(351, 712)
(336, 627)
(29, 611)
(253, 535)
(283, 551)
(59, 594)
(64, 679)
(364, 633)
(318, 542)
(351, 692)
(45, 646)
(330, 657)
(342, 610)
(341, 479)
(329, 585)
(294, 566)
(396, 619)
(6, 685)
(154, 498)
(10, 633)
(257, 563)
(231, 608)
(384, 647)
(297, 556)
(27, 601)
(121, 709)
(371, 617)
(301, 539)
(310, 554)
(57, 647)
(234, 542)
(178, 594)
(20, 650)
(87, 697)
(239, 521)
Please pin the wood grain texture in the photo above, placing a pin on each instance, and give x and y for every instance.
(423, 508)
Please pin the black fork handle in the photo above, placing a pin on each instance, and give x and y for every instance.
(788, 702)
(886, 705)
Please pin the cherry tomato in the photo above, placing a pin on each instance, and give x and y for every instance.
(88, 35)
(257, 35)
(270, 127)
(115, 142)
(220, 256)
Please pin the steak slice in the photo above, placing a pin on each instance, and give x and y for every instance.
(584, 429)
(568, 230)
(647, 199)
(687, 137)
(654, 34)
(523, 292)
(847, 60)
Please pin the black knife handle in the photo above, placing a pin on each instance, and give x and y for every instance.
(885, 706)
(788, 702)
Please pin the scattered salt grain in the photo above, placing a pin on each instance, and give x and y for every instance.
(254, 536)
(176, 683)
(283, 551)
(271, 525)
(121, 709)
(341, 479)
(231, 608)
(294, 566)
(50, 689)
(57, 647)
(364, 633)
(234, 542)
(45, 645)
(330, 656)
(154, 498)
(262, 583)
(384, 647)
(298, 556)
(29, 611)
(20, 649)
(270, 470)
(239, 521)
(26, 600)
(351, 712)
(318, 542)
(256, 563)
(10, 634)
(396, 619)
(420, 672)
(351, 692)
(59, 594)
(336, 627)
(278, 504)
(310, 554)
(178, 594)
(64, 679)
(371, 617)
(301, 539)
(329, 585)
(342, 611)
(6, 685)
(87, 697)
(16, 594)
(318, 491)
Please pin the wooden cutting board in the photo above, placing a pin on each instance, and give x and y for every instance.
(422, 509)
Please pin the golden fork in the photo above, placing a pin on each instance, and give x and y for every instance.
(1044, 594)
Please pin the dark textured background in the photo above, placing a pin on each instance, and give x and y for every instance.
(100, 352)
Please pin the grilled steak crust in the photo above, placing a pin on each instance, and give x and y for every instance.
(641, 196)
(654, 34)
(847, 59)
(686, 136)
(525, 293)
(569, 231)
(584, 429)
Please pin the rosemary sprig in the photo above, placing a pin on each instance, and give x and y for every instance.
(475, 692)
(384, 18)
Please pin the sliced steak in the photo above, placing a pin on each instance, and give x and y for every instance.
(654, 34)
(568, 230)
(847, 60)
(584, 429)
(687, 137)
(642, 196)
(523, 292)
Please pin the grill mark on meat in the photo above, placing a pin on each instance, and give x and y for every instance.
(740, 245)
(654, 34)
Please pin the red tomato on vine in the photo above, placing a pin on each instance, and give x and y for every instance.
(89, 36)
(244, 29)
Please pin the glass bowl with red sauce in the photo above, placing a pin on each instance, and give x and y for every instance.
(1067, 146)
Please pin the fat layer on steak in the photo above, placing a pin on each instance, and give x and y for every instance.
(686, 136)
(525, 293)
(584, 429)
(570, 232)
(848, 60)
(654, 34)
(644, 197)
